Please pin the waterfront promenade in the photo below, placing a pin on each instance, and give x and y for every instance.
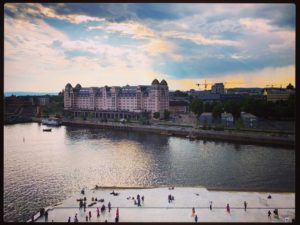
(156, 207)
(288, 140)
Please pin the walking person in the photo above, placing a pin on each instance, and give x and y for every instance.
(269, 214)
(245, 205)
(84, 206)
(69, 220)
(210, 205)
(228, 208)
(193, 211)
(143, 199)
(90, 215)
(109, 207)
(98, 212)
(46, 216)
(76, 219)
(86, 218)
(196, 218)
(117, 215)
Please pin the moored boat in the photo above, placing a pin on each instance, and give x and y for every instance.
(47, 130)
(51, 121)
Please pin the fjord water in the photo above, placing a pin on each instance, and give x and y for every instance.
(44, 168)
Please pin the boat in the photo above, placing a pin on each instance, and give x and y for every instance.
(47, 130)
(51, 121)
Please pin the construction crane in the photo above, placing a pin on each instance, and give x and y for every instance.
(205, 84)
(272, 85)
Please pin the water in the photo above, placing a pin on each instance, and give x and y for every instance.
(48, 167)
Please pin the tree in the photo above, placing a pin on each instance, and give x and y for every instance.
(197, 106)
(217, 110)
(290, 87)
(156, 115)
(166, 114)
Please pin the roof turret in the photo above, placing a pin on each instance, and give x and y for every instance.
(163, 82)
(155, 81)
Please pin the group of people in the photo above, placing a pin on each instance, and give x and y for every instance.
(138, 200)
(89, 216)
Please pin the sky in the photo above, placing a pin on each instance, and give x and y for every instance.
(49, 45)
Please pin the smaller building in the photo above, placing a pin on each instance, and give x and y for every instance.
(206, 119)
(274, 95)
(43, 100)
(177, 107)
(218, 88)
(227, 119)
(248, 120)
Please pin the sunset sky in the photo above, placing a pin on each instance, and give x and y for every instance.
(49, 45)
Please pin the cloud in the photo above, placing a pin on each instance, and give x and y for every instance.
(199, 39)
(38, 11)
(48, 41)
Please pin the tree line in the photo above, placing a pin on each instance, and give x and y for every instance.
(261, 108)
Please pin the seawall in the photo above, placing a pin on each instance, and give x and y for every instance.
(228, 136)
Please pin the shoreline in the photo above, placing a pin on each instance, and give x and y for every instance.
(217, 189)
(206, 135)
(235, 137)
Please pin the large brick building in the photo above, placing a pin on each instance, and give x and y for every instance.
(142, 98)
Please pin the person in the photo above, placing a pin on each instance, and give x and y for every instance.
(228, 208)
(269, 214)
(193, 211)
(46, 215)
(82, 191)
(245, 205)
(117, 213)
(109, 207)
(69, 220)
(117, 219)
(84, 206)
(80, 204)
(210, 205)
(196, 218)
(169, 198)
(103, 208)
(105, 221)
(86, 218)
(76, 219)
(90, 215)
(275, 212)
(98, 212)
(143, 199)
(138, 200)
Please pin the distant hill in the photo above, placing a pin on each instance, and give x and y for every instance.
(25, 93)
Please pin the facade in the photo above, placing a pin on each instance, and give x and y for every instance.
(249, 120)
(142, 98)
(274, 95)
(43, 100)
(227, 119)
(206, 119)
(177, 107)
(218, 88)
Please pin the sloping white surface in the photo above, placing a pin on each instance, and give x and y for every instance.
(157, 209)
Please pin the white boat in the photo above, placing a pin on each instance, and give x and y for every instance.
(51, 121)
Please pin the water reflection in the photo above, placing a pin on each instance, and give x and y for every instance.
(49, 166)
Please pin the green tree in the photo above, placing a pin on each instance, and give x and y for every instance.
(217, 110)
(156, 115)
(166, 114)
(197, 106)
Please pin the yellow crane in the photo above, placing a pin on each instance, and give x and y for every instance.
(205, 84)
